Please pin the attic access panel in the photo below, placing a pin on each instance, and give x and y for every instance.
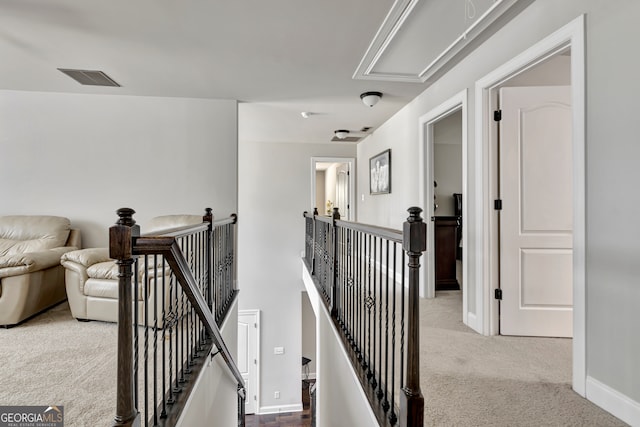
(421, 39)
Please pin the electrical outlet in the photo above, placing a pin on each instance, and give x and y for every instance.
(278, 350)
(276, 395)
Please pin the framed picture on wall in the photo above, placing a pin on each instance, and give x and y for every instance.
(380, 173)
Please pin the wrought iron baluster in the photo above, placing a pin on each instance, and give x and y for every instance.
(393, 418)
(369, 304)
(380, 304)
(360, 297)
(402, 316)
(172, 321)
(155, 338)
(163, 413)
(136, 343)
(374, 304)
(146, 337)
(385, 402)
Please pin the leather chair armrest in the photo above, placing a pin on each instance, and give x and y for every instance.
(85, 257)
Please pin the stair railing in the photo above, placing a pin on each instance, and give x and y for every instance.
(368, 277)
(185, 279)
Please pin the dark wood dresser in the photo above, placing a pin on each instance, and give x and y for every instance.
(447, 232)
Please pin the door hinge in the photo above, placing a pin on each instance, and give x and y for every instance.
(497, 115)
(255, 398)
(498, 294)
(255, 361)
(497, 204)
(255, 325)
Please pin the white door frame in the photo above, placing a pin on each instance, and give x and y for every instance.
(258, 362)
(352, 182)
(426, 123)
(571, 35)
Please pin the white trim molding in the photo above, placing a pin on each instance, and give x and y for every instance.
(352, 183)
(571, 35)
(458, 102)
(613, 401)
(398, 19)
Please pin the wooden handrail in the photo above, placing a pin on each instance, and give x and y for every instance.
(233, 219)
(169, 248)
(179, 231)
(387, 233)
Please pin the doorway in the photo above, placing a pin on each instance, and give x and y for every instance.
(568, 39)
(333, 186)
(443, 140)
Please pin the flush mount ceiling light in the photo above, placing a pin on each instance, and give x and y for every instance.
(341, 133)
(370, 98)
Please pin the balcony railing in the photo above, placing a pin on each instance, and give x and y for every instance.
(191, 271)
(368, 277)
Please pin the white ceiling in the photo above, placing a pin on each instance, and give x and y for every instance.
(277, 57)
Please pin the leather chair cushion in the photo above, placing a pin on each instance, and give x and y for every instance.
(101, 288)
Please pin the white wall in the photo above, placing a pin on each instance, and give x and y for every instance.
(340, 400)
(613, 236)
(85, 156)
(275, 181)
(308, 334)
(447, 162)
(214, 400)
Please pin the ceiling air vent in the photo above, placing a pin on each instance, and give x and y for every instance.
(89, 77)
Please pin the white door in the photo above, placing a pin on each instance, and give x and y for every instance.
(248, 333)
(536, 220)
(342, 190)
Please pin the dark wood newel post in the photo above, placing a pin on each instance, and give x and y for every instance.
(313, 246)
(411, 400)
(121, 249)
(334, 276)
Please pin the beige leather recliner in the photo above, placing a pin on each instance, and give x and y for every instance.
(31, 277)
(92, 278)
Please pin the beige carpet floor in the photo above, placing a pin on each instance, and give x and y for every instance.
(53, 359)
(471, 380)
(467, 379)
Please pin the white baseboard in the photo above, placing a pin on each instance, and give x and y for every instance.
(296, 407)
(613, 401)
